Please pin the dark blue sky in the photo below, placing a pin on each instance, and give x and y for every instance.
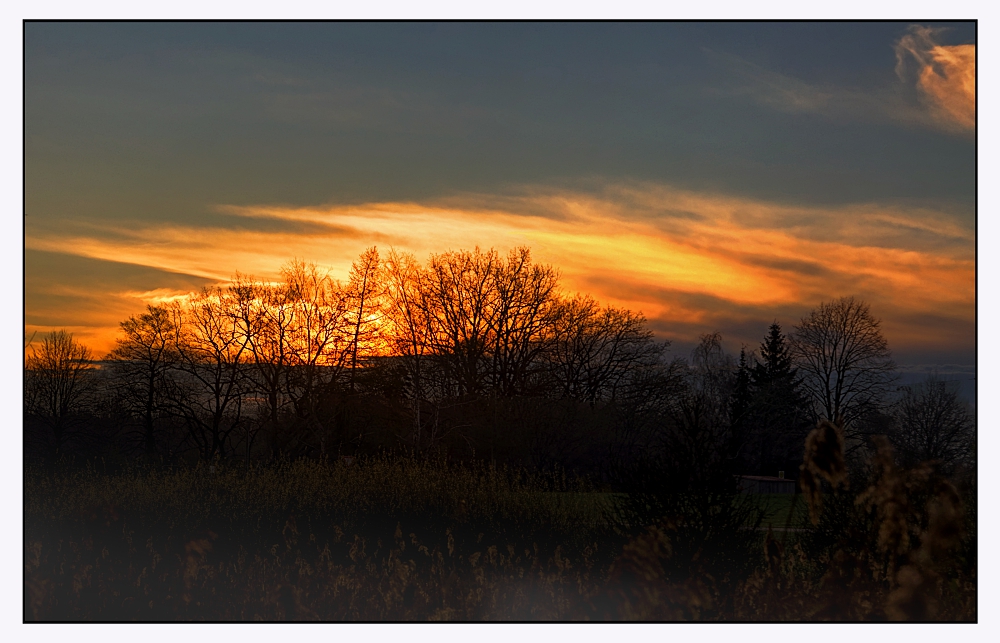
(804, 131)
(315, 112)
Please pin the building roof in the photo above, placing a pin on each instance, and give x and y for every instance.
(768, 478)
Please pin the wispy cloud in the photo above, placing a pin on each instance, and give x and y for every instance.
(89, 297)
(686, 259)
(943, 76)
(157, 296)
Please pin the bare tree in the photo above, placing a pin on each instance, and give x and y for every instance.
(695, 446)
(213, 345)
(933, 423)
(524, 305)
(470, 324)
(142, 357)
(320, 342)
(459, 300)
(712, 380)
(56, 384)
(364, 306)
(594, 348)
(844, 360)
(408, 331)
(271, 348)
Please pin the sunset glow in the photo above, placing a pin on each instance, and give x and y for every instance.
(645, 247)
(501, 320)
(717, 201)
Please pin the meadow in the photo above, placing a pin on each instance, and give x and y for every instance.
(399, 538)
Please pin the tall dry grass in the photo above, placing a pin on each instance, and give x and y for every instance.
(901, 549)
(404, 539)
(382, 539)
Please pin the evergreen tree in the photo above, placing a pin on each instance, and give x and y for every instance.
(742, 398)
(775, 419)
(777, 360)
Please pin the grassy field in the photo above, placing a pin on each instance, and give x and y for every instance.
(383, 539)
(781, 511)
(397, 539)
(784, 510)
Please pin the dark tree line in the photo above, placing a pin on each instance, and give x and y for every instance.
(475, 354)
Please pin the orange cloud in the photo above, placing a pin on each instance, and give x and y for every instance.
(684, 258)
(946, 75)
(943, 75)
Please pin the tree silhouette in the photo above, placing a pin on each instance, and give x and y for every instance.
(320, 342)
(56, 385)
(742, 397)
(843, 358)
(525, 300)
(365, 290)
(712, 377)
(775, 418)
(934, 424)
(594, 348)
(470, 350)
(142, 357)
(409, 333)
(271, 347)
(460, 302)
(213, 344)
(776, 359)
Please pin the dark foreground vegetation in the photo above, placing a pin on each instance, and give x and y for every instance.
(462, 440)
(398, 538)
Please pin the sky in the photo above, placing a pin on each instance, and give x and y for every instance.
(715, 176)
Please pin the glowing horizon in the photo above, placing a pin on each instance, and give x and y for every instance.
(714, 177)
(649, 248)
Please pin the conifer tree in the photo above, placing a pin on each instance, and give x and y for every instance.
(775, 417)
(776, 364)
(742, 398)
